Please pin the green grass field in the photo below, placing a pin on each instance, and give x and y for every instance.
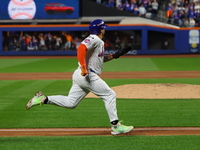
(122, 64)
(101, 143)
(91, 112)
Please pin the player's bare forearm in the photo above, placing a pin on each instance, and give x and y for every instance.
(107, 58)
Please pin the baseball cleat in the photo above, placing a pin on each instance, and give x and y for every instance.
(120, 128)
(38, 99)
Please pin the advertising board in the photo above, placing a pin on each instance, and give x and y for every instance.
(194, 41)
(39, 9)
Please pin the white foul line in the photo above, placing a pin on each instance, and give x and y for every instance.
(99, 129)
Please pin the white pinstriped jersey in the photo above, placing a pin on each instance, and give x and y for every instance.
(95, 53)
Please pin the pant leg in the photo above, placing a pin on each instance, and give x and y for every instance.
(76, 94)
(101, 89)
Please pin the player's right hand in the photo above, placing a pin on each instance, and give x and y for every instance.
(84, 71)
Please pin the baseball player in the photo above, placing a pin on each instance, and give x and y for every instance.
(86, 78)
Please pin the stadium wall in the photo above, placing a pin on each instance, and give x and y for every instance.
(155, 39)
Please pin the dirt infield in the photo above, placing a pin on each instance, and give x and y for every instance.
(104, 75)
(99, 131)
(155, 131)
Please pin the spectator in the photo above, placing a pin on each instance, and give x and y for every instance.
(181, 17)
(35, 43)
(68, 42)
(48, 41)
(58, 42)
(182, 3)
(175, 18)
(64, 40)
(117, 3)
(182, 8)
(140, 2)
(11, 46)
(28, 39)
(15, 40)
(155, 6)
(191, 13)
(127, 6)
(146, 3)
(173, 2)
(30, 43)
(136, 10)
(42, 44)
(184, 23)
(111, 3)
(16, 44)
(169, 11)
(176, 7)
(149, 10)
(18, 48)
(197, 10)
(120, 6)
(132, 6)
(192, 22)
(23, 44)
(142, 10)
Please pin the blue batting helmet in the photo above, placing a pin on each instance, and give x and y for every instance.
(96, 26)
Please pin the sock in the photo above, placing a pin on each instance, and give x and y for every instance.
(46, 100)
(114, 122)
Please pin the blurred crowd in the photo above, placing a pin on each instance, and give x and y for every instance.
(184, 13)
(34, 41)
(143, 8)
(57, 41)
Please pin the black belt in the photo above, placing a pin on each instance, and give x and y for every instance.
(92, 70)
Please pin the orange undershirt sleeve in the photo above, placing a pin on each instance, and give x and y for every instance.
(81, 54)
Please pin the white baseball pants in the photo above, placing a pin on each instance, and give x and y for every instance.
(81, 86)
